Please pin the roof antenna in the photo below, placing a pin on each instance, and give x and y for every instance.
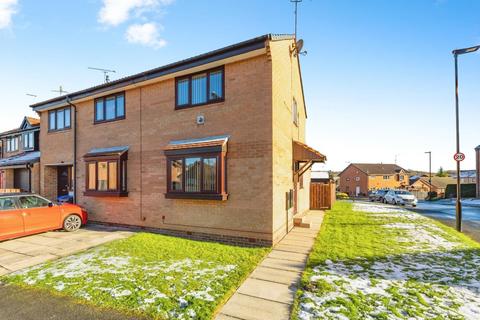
(31, 95)
(60, 90)
(296, 11)
(105, 73)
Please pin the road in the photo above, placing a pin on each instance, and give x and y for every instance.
(446, 214)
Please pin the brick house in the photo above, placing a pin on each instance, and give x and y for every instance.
(211, 147)
(422, 185)
(359, 178)
(20, 157)
(477, 158)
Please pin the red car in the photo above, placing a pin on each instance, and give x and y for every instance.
(25, 214)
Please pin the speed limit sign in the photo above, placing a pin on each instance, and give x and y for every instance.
(459, 157)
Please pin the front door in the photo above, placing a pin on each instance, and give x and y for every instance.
(11, 219)
(63, 180)
(21, 179)
(357, 191)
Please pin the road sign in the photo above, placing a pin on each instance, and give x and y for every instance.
(459, 157)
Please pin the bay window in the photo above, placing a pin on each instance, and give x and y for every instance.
(200, 88)
(106, 173)
(196, 172)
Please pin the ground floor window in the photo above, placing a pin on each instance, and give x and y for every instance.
(106, 175)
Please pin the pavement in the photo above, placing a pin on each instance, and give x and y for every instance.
(269, 291)
(28, 251)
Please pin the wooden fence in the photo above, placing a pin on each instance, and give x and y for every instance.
(322, 195)
(9, 191)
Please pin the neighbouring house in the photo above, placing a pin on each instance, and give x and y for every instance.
(20, 157)
(357, 179)
(211, 147)
(466, 176)
(477, 157)
(422, 186)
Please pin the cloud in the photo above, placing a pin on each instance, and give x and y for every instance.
(115, 12)
(146, 34)
(7, 9)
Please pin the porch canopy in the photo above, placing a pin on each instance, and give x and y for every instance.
(20, 161)
(200, 145)
(105, 152)
(302, 153)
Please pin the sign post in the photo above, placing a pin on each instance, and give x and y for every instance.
(459, 157)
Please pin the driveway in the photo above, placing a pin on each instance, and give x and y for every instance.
(27, 251)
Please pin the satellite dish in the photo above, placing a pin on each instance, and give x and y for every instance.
(299, 46)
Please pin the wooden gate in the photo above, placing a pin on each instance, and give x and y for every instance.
(322, 195)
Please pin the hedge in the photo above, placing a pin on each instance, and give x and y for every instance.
(469, 190)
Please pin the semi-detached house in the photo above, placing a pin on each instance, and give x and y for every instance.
(212, 147)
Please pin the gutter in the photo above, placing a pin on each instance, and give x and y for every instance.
(74, 148)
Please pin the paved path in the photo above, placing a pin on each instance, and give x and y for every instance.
(269, 292)
(28, 251)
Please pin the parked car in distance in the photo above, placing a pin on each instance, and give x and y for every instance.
(24, 214)
(401, 197)
(377, 195)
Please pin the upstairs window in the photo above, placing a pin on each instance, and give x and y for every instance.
(59, 119)
(386, 177)
(110, 108)
(28, 142)
(200, 88)
(12, 144)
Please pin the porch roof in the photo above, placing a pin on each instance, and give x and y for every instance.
(110, 151)
(305, 153)
(215, 141)
(21, 159)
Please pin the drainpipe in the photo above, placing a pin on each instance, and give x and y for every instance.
(74, 149)
(29, 167)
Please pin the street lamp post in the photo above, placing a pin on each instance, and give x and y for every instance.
(456, 53)
(430, 171)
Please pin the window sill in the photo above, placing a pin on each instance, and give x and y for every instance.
(199, 196)
(108, 121)
(93, 193)
(189, 106)
(59, 130)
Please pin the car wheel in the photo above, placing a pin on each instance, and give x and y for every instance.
(394, 202)
(72, 223)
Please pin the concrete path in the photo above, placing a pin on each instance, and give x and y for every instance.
(269, 292)
(28, 251)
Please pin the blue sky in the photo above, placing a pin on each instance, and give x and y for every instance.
(378, 76)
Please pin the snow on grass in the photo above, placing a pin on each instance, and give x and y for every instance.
(158, 276)
(432, 274)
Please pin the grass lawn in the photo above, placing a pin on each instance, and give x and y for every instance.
(154, 275)
(372, 261)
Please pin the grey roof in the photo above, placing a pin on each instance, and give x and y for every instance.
(200, 140)
(21, 159)
(478, 147)
(223, 53)
(378, 168)
(107, 151)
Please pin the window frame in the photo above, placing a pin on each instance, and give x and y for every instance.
(55, 111)
(220, 192)
(29, 140)
(13, 144)
(121, 170)
(104, 108)
(189, 77)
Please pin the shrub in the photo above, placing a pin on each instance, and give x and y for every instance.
(342, 196)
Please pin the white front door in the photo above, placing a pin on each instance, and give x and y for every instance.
(357, 191)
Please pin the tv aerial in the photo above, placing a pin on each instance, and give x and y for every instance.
(106, 72)
(60, 90)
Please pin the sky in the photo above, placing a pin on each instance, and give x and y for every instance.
(378, 75)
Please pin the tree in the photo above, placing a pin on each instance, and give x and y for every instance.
(441, 173)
